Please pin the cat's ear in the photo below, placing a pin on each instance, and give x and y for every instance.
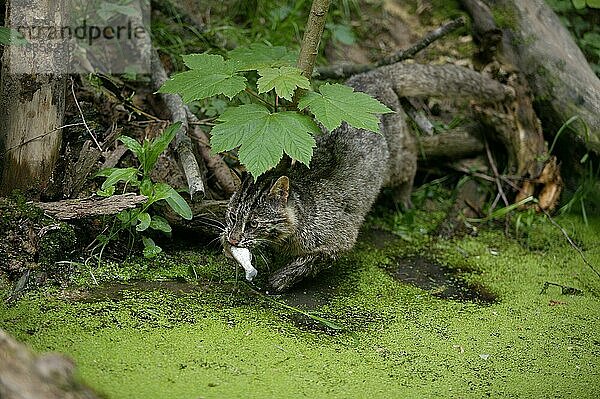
(280, 189)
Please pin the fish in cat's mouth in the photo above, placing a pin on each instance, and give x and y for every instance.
(243, 256)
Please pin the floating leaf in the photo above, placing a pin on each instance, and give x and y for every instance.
(262, 137)
(337, 103)
(283, 79)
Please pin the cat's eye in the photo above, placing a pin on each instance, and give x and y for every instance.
(253, 224)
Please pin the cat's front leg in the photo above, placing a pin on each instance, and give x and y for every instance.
(293, 273)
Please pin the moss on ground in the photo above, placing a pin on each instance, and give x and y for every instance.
(201, 334)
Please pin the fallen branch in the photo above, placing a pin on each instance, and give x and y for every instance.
(485, 31)
(214, 162)
(91, 207)
(423, 43)
(346, 70)
(182, 142)
(458, 143)
(76, 173)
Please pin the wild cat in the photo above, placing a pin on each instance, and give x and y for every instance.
(315, 213)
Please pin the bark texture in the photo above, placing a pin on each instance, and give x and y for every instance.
(560, 77)
(90, 207)
(32, 101)
(312, 37)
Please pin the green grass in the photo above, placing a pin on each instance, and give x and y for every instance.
(215, 339)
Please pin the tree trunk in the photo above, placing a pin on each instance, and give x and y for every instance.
(32, 91)
(560, 77)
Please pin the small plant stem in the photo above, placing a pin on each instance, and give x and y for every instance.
(571, 242)
(310, 41)
(312, 36)
(259, 98)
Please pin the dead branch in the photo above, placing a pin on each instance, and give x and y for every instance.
(182, 143)
(91, 207)
(417, 115)
(112, 159)
(458, 143)
(485, 31)
(346, 70)
(214, 162)
(77, 173)
(429, 38)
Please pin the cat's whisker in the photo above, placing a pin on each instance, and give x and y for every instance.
(261, 254)
(212, 223)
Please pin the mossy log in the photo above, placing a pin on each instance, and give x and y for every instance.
(562, 82)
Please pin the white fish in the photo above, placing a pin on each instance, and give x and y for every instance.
(244, 258)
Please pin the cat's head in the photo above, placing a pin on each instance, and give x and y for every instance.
(258, 213)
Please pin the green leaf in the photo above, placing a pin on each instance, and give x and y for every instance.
(210, 75)
(127, 175)
(179, 205)
(134, 146)
(258, 56)
(338, 103)
(124, 217)
(105, 172)
(150, 248)
(10, 36)
(263, 137)
(145, 220)
(146, 187)
(578, 4)
(106, 193)
(593, 3)
(160, 224)
(163, 191)
(158, 145)
(283, 79)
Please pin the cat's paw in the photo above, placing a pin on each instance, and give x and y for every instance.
(288, 276)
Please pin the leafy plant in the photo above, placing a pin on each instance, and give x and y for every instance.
(272, 125)
(140, 219)
(581, 18)
(10, 36)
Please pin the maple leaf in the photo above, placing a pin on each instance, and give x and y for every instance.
(259, 55)
(263, 137)
(208, 76)
(337, 103)
(283, 79)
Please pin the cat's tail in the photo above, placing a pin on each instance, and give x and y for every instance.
(409, 80)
